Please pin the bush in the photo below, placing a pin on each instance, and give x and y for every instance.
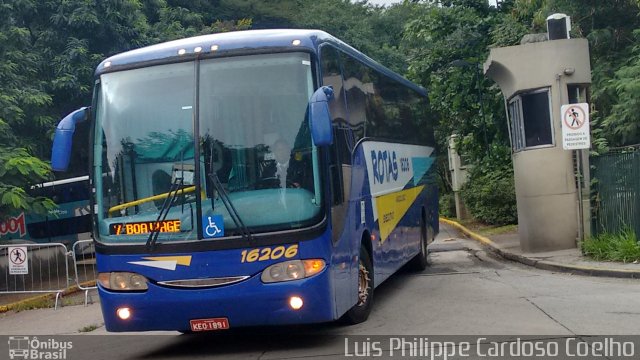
(490, 194)
(447, 205)
(622, 246)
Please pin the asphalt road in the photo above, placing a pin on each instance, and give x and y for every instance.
(466, 291)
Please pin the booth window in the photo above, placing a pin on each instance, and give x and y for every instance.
(578, 93)
(530, 120)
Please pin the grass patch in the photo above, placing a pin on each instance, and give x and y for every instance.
(488, 231)
(48, 301)
(88, 328)
(471, 224)
(622, 247)
(41, 303)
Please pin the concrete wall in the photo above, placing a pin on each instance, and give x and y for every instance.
(544, 177)
(459, 177)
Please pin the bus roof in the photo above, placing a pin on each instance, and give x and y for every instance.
(235, 43)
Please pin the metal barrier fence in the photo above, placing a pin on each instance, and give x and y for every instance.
(84, 265)
(616, 191)
(34, 268)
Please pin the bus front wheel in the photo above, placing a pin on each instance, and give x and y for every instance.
(360, 311)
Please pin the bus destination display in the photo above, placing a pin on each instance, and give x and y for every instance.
(144, 227)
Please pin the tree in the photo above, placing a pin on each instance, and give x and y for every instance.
(20, 97)
(620, 120)
(48, 51)
(447, 45)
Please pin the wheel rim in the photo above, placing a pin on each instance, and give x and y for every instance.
(363, 284)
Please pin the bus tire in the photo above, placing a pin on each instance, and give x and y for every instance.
(421, 260)
(361, 310)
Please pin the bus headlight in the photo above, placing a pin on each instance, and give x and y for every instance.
(292, 270)
(123, 281)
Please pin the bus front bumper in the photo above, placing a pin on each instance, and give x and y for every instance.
(249, 303)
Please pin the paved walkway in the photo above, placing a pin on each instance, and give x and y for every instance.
(570, 260)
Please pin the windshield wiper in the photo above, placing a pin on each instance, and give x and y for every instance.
(164, 211)
(224, 196)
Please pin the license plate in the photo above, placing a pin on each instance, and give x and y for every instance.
(209, 324)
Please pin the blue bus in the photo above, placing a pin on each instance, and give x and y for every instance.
(201, 224)
(69, 222)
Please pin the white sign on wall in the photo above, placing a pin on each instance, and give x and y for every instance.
(18, 261)
(575, 126)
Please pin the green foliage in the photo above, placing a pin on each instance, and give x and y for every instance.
(507, 31)
(620, 122)
(490, 194)
(19, 168)
(447, 205)
(622, 246)
(447, 46)
(48, 53)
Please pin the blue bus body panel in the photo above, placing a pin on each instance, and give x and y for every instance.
(390, 251)
(246, 303)
(397, 186)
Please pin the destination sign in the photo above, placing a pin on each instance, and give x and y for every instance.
(144, 227)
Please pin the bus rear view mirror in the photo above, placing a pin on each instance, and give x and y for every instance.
(63, 138)
(319, 116)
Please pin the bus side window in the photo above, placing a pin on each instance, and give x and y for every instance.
(336, 173)
(332, 76)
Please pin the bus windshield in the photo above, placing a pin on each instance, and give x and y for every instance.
(258, 168)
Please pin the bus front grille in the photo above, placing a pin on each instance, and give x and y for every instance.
(203, 283)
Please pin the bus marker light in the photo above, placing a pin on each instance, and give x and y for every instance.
(313, 266)
(214, 47)
(197, 49)
(295, 302)
(124, 313)
(296, 42)
(107, 64)
(182, 52)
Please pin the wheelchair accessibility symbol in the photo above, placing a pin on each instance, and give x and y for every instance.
(213, 226)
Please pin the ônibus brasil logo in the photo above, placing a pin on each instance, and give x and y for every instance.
(25, 347)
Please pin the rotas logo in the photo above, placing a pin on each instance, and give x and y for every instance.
(385, 166)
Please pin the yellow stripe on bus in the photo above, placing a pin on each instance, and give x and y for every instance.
(392, 207)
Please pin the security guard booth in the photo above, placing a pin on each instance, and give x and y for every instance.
(536, 79)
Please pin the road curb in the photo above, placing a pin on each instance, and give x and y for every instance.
(543, 264)
(72, 290)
